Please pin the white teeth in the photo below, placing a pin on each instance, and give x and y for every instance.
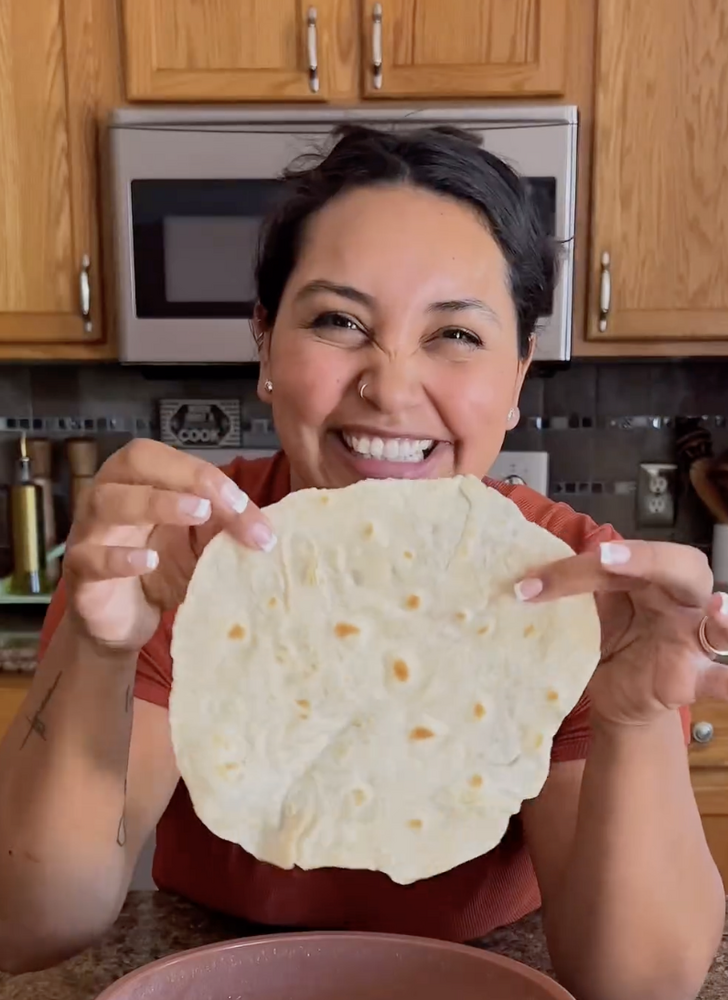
(391, 449)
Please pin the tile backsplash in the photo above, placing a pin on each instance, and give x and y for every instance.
(598, 421)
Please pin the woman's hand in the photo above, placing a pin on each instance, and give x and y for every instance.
(138, 533)
(652, 598)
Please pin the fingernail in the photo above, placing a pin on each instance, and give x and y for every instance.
(526, 590)
(723, 603)
(234, 497)
(144, 559)
(196, 507)
(262, 535)
(614, 554)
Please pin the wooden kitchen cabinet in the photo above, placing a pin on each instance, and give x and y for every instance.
(56, 77)
(13, 689)
(230, 50)
(461, 48)
(709, 770)
(660, 201)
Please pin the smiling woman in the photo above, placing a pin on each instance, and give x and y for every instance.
(399, 286)
(431, 213)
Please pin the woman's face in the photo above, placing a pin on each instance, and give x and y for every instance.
(406, 293)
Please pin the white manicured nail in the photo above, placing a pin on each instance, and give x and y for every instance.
(614, 554)
(197, 507)
(234, 497)
(528, 589)
(723, 603)
(263, 537)
(151, 559)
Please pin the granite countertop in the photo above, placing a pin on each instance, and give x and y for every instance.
(153, 924)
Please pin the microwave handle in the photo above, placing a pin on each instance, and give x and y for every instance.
(377, 17)
(84, 292)
(605, 291)
(312, 44)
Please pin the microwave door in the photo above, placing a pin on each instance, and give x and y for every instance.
(546, 155)
(188, 250)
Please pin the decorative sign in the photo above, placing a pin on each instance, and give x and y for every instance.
(200, 423)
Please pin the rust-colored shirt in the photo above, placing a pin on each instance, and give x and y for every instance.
(460, 905)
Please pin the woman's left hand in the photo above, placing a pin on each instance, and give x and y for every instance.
(652, 598)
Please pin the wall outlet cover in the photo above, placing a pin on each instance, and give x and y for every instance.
(656, 495)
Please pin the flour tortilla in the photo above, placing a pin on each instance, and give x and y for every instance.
(371, 694)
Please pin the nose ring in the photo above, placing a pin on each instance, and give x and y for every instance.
(362, 387)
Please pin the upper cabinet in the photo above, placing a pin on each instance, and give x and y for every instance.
(227, 50)
(464, 48)
(283, 50)
(51, 82)
(659, 272)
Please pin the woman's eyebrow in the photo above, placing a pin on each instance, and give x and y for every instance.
(461, 305)
(345, 291)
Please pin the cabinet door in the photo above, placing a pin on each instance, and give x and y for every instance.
(660, 197)
(13, 689)
(464, 48)
(709, 770)
(51, 76)
(227, 50)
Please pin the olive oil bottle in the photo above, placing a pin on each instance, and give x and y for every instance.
(26, 523)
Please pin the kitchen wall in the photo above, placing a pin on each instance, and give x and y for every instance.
(598, 421)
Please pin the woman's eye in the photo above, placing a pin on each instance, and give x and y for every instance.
(462, 336)
(337, 321)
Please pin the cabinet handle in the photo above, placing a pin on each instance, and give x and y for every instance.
(312, 42)
(703, 732)
(84, 292)
(605, 291)
(377, 16)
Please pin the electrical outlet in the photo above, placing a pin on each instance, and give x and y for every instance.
(528, 467)
(656, 495)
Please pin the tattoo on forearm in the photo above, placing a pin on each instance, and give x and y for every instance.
(128, 698)
(36, 722)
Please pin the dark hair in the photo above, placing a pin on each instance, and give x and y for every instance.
(444, 160)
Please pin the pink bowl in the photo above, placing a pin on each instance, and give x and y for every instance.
(335, 966)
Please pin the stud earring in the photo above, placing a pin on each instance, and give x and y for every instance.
(514, 415)
(268, 385)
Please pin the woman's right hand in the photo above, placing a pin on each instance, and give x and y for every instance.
(138, 533)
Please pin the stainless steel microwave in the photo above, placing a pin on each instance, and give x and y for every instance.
(191, 185)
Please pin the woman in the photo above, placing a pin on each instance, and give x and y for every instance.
(398, 290)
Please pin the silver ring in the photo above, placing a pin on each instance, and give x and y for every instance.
(362, 387)
(708, 647)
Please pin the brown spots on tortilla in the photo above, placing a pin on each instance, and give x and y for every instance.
(538, 741)
(415, 824)
(273, 602)
(421, 733)
(304, 704)
(368, 531)
(359, 797)
(479, 710)
(400, 670)
(484, 630)
(528, 630)
(461, 616)
(228, 769)
(343, 630)
(236, 632)
(476, 781)
(552, 695)
(413, 602)
(408, 555)
(325, 499)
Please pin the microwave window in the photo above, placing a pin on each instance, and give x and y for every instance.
(209, 258)
(195, 244)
